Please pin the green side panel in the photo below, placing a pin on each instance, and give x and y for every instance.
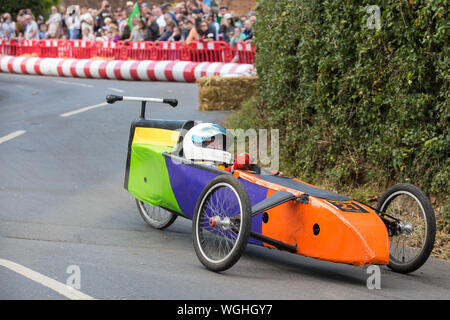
(149, 178)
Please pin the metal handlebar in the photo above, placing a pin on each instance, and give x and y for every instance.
(111, 98)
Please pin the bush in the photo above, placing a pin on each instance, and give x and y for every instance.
(359, 106)
(38, 7)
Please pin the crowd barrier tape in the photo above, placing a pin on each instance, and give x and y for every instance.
(146, 70)
(213, 51)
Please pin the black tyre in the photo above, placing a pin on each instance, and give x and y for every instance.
(413, 240)
(156, 217)
(221, 223)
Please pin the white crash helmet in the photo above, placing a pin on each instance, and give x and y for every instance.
(207, 142)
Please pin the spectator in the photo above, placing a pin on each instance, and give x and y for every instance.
(98, 35)
(7, 26)
(212, 25)
(152, 32)
(106, 24)
(20, 24)
(129, 8)
(159, 19)
(115, 36)
(186, 30)
(237, 36)
(247, 34)
(165, 8)
(139, 31)
(206, 9)
(31, 28)
(176, 35)
(200, 33)
(54, 23)
(227, 27)
(190, 6)
(104, 12)
(123, 20)
(86, 19)
(73, 21)
(223, 10)
(39, 21)
(197, 14)
(118, 16)
(125, 32)
(88, 34)
(168, 18)
(168, 32)
(43, 31)
(134, 22)
(241, 21)
(97, 20)
(64, 29)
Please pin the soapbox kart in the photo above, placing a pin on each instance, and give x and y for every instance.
(231, 209)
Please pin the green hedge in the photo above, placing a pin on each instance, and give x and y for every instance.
(358, 105)
(38, 7)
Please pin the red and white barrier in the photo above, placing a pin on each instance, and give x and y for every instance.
(147, 70)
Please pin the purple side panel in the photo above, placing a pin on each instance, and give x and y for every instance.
(256, 193)
(187, 183)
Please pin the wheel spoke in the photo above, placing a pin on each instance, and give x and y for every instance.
(221, 204)
(406, 247)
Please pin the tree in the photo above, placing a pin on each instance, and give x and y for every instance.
(38, 7)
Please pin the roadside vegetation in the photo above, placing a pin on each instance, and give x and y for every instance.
(358, 109)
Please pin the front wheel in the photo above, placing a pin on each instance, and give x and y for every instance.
(156, 217)
(412, 238)
(221, 223)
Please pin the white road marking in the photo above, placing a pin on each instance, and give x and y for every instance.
(74, 83)
(57, 286)
(11, 135)
(71, 113)
(117, 90)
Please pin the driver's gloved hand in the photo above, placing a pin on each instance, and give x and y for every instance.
(242, 162)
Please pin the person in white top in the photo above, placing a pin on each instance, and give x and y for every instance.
(72, 20)
(31, 28)
(159, 17)
(87, 34)
(54, 23)
(86, 19)
(7, 26)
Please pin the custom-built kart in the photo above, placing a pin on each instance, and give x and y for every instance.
(231, 209)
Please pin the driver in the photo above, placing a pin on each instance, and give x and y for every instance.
(207, 142)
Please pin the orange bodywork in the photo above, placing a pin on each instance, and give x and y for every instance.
(356, 238)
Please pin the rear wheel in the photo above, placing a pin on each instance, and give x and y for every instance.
(221, 223)
(412, 239)
(156, 217)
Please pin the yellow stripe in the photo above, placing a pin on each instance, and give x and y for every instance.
(156, 136)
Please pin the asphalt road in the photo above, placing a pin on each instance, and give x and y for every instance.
(62, 204)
